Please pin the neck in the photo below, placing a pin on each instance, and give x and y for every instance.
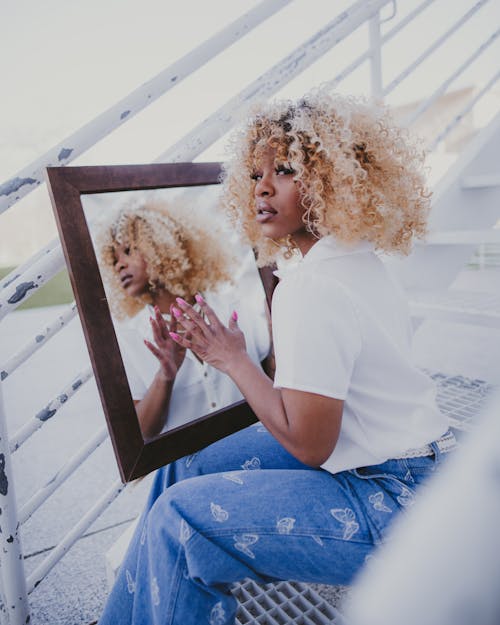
(304, 241)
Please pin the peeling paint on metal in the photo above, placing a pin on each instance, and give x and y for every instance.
(11, 186)
(124, 114)
(64, 154)
(63, 398)
(11, 280)
(4, 482)
(3, 375)
(39, 338)
(21, 290)
(173, 79)
(10, 539)
(45, 414)
(76, 384)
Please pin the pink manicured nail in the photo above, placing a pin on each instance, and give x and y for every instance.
(199, 298)
(157, 310)
(176, 311)
(181, 302)
(175, 336)
(235, 315)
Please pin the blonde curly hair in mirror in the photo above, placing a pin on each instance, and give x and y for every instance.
(181, 257)
(360, 175)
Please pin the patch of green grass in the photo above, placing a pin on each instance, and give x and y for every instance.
(56, 291)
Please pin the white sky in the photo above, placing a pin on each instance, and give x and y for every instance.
(62, 62)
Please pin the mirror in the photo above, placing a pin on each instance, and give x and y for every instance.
(204, 405)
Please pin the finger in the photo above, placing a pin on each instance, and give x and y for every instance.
(233, 321)
(173, 318)
(162, 326)
(181, 340)
(191, 314)
(191, 328)
(153, 349)
(157, 333)
(208, 312)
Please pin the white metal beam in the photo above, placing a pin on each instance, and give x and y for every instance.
(213, 127)
(63, 153)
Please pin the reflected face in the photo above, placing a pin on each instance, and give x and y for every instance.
(132, 270)
(277, 199)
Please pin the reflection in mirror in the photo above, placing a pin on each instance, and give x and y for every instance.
(154, 246)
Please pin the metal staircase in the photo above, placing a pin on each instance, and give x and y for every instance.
(465, 211)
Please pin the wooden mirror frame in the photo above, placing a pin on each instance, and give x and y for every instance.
(135, 456)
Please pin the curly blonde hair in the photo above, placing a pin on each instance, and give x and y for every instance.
(360, 175)
(180, 257)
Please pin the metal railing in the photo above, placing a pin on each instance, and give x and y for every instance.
(24, 281)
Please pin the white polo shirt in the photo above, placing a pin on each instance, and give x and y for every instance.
(341, 329)
(198, 388)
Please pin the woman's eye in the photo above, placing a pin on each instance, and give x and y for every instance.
(127, 251)
(284, 171)
(256, 176)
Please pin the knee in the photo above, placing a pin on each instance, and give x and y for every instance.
(168, 518)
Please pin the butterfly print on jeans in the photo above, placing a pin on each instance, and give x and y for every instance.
(347, 518)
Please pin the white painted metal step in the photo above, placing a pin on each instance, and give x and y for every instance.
(477, 307)
(463, 237)
(481, 181)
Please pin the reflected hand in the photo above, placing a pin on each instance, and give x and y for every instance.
(169, 353)
(213, 342)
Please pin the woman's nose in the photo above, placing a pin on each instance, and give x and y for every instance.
(264, 186)
(120, 263)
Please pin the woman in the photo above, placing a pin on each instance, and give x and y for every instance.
(351, 426)
(150, 253)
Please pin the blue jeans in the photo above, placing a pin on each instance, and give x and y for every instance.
(245, 508)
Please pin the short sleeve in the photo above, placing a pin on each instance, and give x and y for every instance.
(316, 335)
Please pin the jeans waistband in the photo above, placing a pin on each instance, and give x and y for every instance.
(445, 443)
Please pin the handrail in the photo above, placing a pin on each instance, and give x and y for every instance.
(12, 576)
(24, 286)
(72, 146)
(411, 119)
(72, 536)
(36, 422)
(20, 269)
(34, 344)
(437, 43)
(213, 127)
(62, 474)
(332, 84)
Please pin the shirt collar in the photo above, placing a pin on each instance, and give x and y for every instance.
(324, 248)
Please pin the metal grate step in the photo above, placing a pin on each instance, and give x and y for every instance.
(461, 399)
(283, 603)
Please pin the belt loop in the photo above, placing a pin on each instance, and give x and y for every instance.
(437, 452)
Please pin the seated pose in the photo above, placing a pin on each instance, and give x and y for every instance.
(349, 428)
(150, 255)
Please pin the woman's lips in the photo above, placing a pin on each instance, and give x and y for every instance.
(265, 213)
(126, 280)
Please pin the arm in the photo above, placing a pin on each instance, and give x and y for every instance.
(306, 424)
(153, 407)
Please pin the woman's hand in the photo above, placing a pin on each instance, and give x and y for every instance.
(213, 342)
(169, 353)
